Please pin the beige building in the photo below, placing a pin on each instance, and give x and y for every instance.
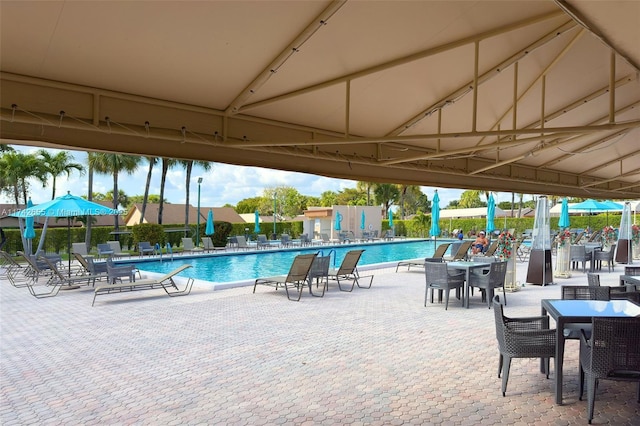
(174, 214)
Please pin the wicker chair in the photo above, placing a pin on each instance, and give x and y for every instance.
(488, 281)
(605, 256)
(439, 278)
(577, 254)
(611, 353)
(580, 292)
(593, 279)
(525, 337)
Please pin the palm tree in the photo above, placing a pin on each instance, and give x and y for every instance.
(114, 164)
(188, 165)
(58, 164)
(152, 162)
(366, 186)
(87, 234)
(386, 194)
(15, 169)
(167, 163)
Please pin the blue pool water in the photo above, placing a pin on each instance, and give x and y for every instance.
(239, 266)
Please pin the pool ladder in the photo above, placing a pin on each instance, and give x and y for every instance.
(321, 254)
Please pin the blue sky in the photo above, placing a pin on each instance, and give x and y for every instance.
(223, 184)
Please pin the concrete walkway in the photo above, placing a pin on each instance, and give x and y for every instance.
(374, 356)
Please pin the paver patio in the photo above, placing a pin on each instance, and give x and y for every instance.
(373, 356)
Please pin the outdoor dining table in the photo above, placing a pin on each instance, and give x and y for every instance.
(580, 311)
(467, 267)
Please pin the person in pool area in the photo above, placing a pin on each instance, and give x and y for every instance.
(460, 235)
(481, 243)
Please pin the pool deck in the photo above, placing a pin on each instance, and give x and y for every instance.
(371, 357)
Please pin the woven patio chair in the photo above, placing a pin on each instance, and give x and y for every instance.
(525, 337)
(593, 279)
(612, 353)
(579, 292)
(488, 281)
(605, 256)
(439, 278)
(577, 254)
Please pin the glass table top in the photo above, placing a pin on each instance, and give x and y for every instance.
(591, 308)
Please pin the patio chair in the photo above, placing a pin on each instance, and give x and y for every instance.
(611, 353)
(242, 243)
(285, 240)
(488, 281)
(439, 254)
(580, 292)
(13, 271)
(320, 273)
(262, 242)
(105, 249)
(145, 247)
(604, 256)
(577, 254)
(325, 238)
(491, 251)
(207, 244)
(188, 247)
(166, 282)
(438, 277)
(525, 337)
(90, 267)
(117, 250)
(296, 278)
(80, 248)
(118, 272)
(594, 237)
(462, 252)
(35, 268)
(348, 271)
(593, 279)
(58, 280)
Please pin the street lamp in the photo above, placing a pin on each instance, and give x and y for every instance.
(198, 224)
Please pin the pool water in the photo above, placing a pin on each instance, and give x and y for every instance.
(239, 266)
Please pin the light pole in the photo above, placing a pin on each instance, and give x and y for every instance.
(274, 214)
(198, 223)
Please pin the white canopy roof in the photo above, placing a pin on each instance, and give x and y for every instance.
(518, 96)
(474, 212)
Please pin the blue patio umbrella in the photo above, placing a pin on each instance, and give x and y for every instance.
(363, 220)
(209, 230)
(564, 215)
(29, 231)
(337, 226)
(593, 205)
(256, 228)
(434, 231)
(66, 206)
(390, 218)
(491, 212)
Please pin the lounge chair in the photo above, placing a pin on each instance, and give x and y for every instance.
(242, 243)
(325, 239)
(13, 271)
(165, 282)
(117, 250)
(145, 247)
(462, 252)
(58, 280)
(118, 272)
(80, 248)
(296, 278)
(207, 244)
(285, 241)
(105, 250)
(262, 242)
(320, 273)
(91, 267)
(188, 247)
(439, 254)
(348, 271)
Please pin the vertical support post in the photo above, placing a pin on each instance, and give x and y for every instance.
(274, 214)
(198, 223)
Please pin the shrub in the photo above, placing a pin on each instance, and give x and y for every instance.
(149, 232)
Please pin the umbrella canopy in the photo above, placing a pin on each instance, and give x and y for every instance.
(613, 205)
(363, 220)
(564, 215)
(491, 213)
(337, 226)
(435, 216)
(66, 206)
(591, 205)
(256, 227)
(209, 230)
(29, 231)
(390, 218)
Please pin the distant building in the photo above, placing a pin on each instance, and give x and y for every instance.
(322, 220)
(173, 214)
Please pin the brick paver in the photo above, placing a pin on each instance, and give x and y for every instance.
(371, 357)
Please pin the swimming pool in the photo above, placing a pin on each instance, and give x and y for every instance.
(242, 266)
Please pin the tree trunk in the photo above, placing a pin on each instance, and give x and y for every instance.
(163, 179)
(186, 205)
(115, 204)
(87, 234)
(146, 191)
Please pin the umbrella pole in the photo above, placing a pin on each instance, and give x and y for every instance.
(69, 244)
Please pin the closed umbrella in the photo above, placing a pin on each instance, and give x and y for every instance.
(337, 226)
(256, 227)
(564, 215)
(209, 230)
(434, 231)
(363, 220)
(29, 231)
(66, 206)
(390, 218)
(491, 212)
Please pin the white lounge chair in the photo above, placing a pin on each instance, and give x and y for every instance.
(117, 250)
(188, 247)
(165, 282)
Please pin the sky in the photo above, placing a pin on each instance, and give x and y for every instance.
(223, 184)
